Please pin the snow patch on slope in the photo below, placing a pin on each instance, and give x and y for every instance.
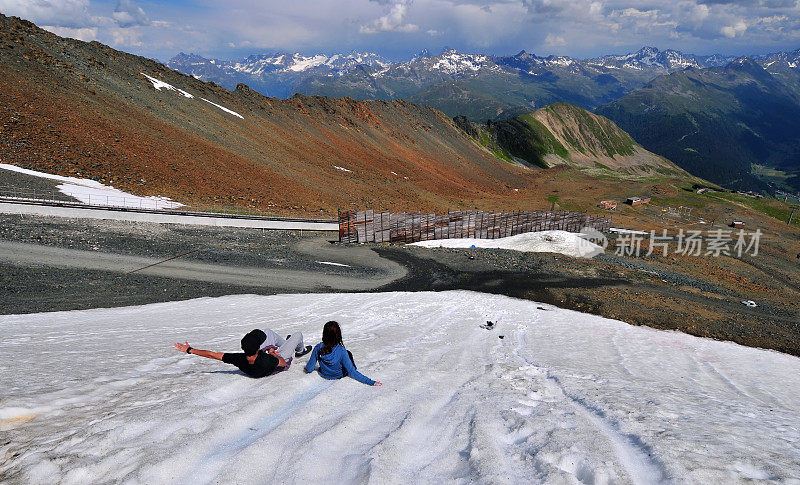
(562, 242)
(564, 397)
(303, 63)
(159, 85)
(92, 192)
(223, 108)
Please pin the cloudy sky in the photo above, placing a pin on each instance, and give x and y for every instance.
(400, 28)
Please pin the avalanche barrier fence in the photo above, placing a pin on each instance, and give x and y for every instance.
(369, 226)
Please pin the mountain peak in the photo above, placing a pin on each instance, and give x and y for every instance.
(420, 55)
(648, 50)
(183, 57)
(748, 65)
(745, 61)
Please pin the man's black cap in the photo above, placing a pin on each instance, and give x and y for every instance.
(252, 341)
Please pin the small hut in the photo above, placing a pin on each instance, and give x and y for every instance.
(637, 200)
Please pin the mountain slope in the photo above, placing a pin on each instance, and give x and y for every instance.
(84, 109)
(565, 134)
(716, 122)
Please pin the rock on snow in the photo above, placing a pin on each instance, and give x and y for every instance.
(564, 397)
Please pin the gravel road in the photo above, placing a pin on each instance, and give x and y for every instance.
(51, 264)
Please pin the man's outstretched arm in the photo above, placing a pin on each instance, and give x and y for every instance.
(183, 347)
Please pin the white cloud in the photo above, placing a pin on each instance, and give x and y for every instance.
(126, 38)
(773, 19)
(555, 40)
(86, 34)
(128, 14)
(471, 24)
(699, 13)
(62, 13)
(635, 12)
(393, 21)
(734, 30)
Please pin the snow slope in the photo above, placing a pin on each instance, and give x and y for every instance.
(94, 193)
(99, 396)
(563, 242)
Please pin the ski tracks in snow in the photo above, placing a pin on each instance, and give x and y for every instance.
(635, 458)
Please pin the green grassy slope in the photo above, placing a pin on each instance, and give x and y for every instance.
(565, 134)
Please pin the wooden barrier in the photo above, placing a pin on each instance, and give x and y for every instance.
(369, 226)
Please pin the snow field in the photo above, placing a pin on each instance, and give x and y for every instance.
(94, 193)
(564, 397)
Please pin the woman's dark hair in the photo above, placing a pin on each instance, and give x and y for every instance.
(331, 337)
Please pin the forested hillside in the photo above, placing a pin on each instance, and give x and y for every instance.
(716, 123)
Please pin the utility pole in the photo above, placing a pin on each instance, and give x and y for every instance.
(791, 216)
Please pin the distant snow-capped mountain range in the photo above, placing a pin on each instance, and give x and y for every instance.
(450, 61)
(337, 63)
(261, 64)
(454, 81)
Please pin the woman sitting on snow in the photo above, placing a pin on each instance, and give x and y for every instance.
(335, 361)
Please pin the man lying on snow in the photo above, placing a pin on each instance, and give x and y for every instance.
(265, 352)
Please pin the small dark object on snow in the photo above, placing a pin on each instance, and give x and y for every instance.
(303, 352)
(501, 336)
(488, 325)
